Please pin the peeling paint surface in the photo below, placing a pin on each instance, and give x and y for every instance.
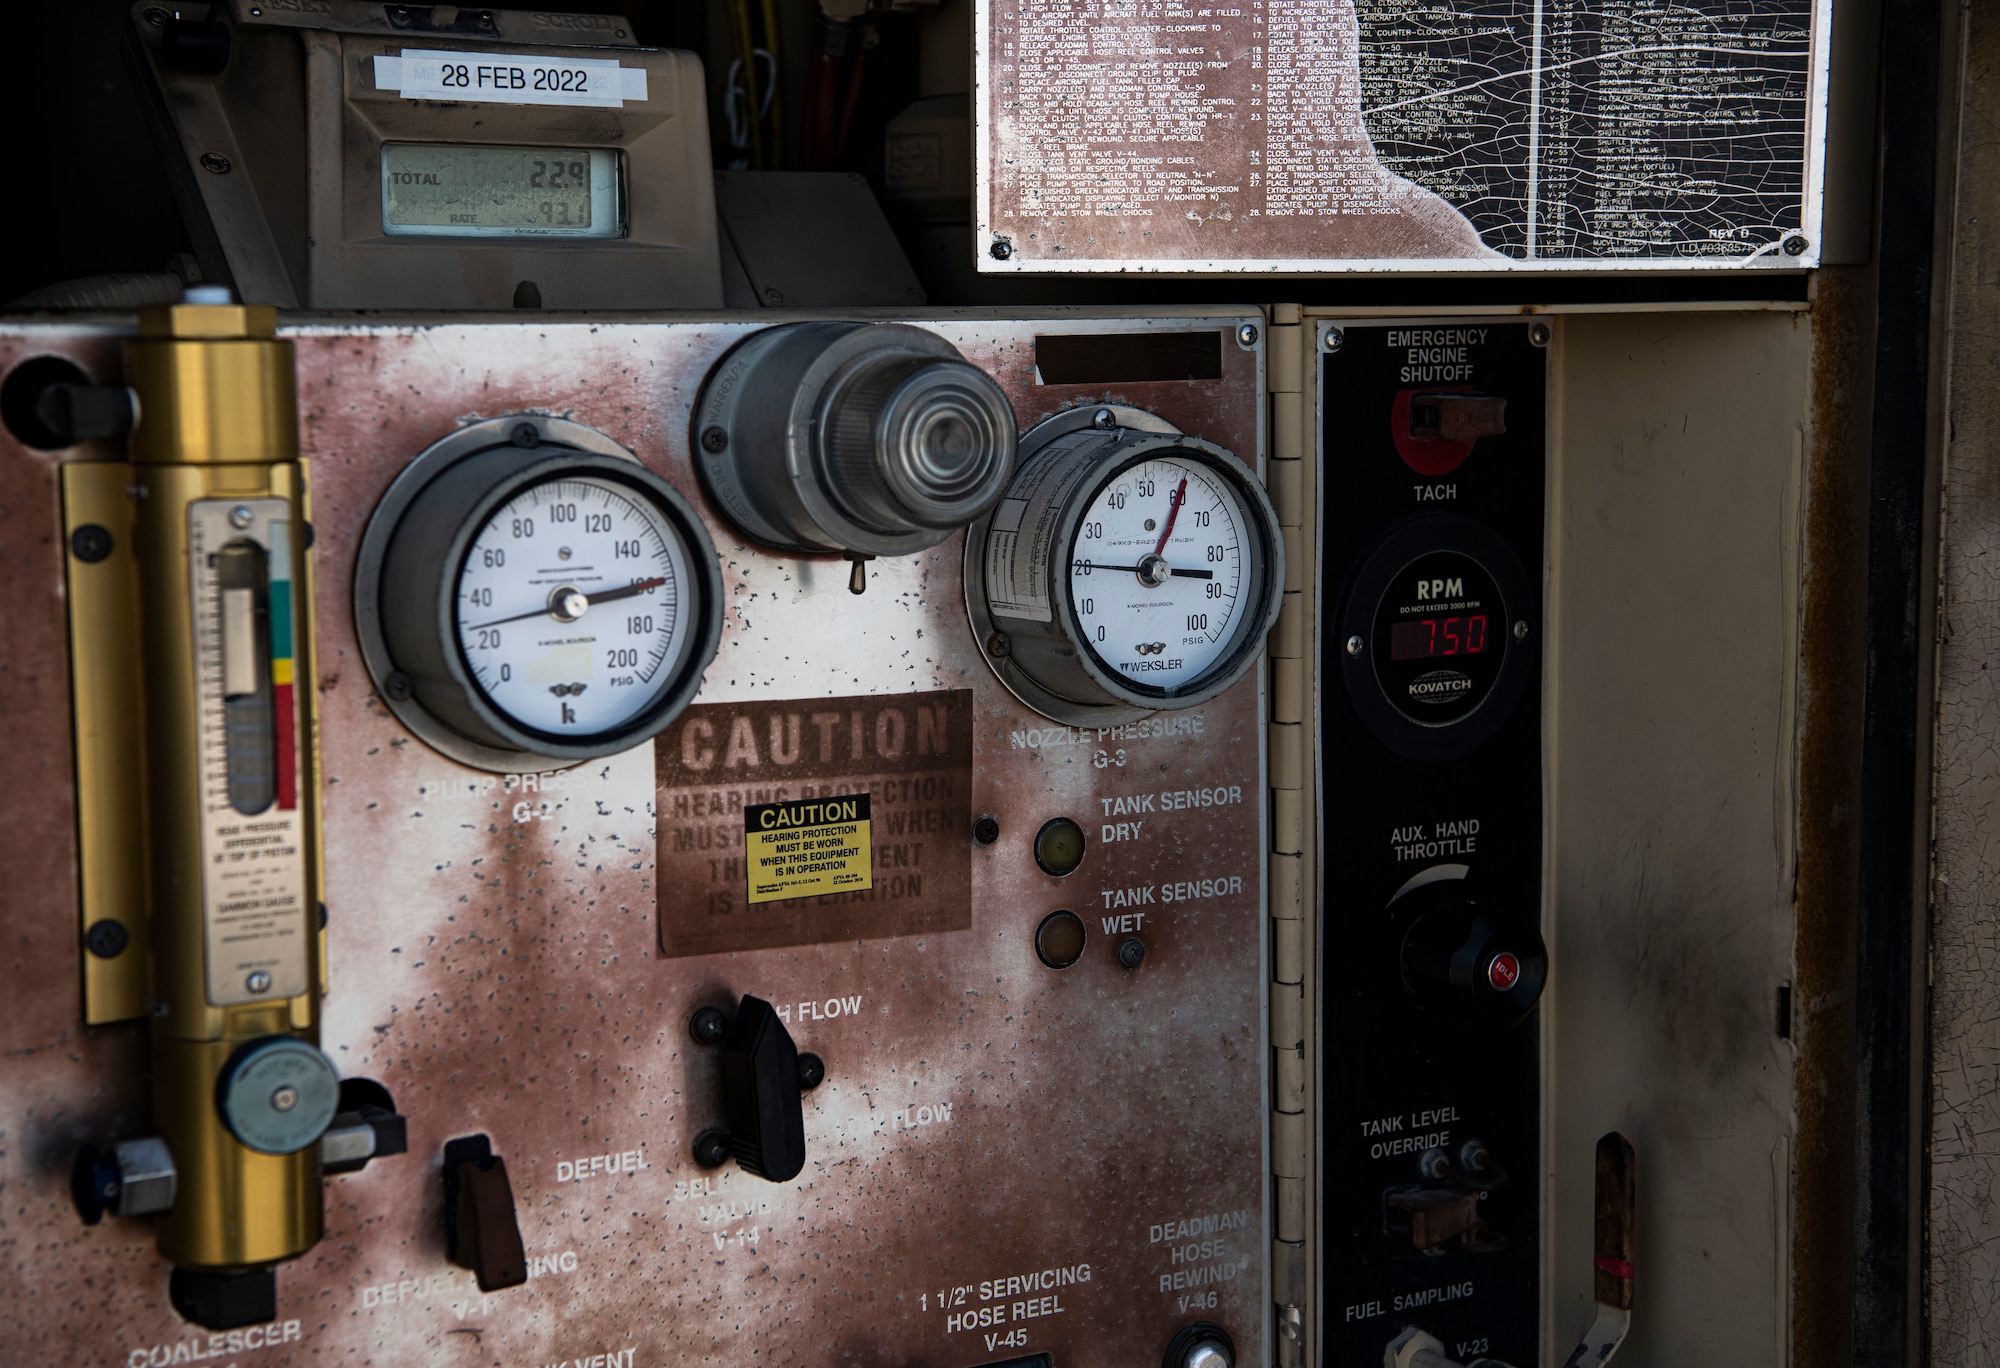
(494, 961)
(1963, 1254)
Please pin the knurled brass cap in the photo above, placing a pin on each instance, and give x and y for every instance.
(216, 386)
(209, 321)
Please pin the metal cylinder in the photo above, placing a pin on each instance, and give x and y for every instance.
(231, 793)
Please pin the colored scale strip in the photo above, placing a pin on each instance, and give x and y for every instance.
(282, 704)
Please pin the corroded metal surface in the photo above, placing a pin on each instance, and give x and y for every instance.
(494, 959)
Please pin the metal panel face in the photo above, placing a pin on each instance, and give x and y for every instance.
(1335, 135)
(1433, 443)
(1003, 1160)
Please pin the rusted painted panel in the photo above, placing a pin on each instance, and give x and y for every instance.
(1962, 1271)
(494, 960)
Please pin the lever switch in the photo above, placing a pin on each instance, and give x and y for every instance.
(481, 1230)
(760, 1093)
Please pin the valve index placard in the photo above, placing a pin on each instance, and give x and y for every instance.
(1333, 135)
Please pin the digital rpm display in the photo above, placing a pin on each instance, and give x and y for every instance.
(1439, 638)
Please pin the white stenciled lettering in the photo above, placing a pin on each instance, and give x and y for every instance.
(1120, 831)
(1432, 1296)
(1194, 890)
(217, 1346)
(1178, 800)
(827, 1010)
(600, 1166)
(1124, 807)
(1126, 924)
(1128, 897)
(912, 1118)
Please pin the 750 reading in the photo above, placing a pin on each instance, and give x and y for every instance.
(1430, 637)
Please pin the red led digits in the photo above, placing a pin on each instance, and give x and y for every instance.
(1427, 638)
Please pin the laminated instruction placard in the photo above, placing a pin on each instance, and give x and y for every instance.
(796, 850)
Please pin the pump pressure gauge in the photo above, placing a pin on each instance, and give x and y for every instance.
(528, 591)
(1128, 568)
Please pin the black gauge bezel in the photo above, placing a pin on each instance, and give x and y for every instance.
(1398, 548)
(409, 640)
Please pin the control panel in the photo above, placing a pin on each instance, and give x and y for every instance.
(661, 842)
(1433, 452)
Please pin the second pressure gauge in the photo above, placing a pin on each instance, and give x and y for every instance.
(1127, 569)
(528, 592)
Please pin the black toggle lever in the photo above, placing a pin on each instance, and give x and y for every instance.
(763, 1075)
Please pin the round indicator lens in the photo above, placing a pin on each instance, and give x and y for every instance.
(1439, 638)
(1059, 846)
(1156, 571)
(1059, 939)
(572, 604)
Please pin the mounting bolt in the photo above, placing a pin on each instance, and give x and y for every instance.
(284, 1098)
(90, 543)
(1538, 334)
(107, 939)
(1334, 340)
(1796, 244)
(708, 1025)
(258, 981)
(997, 645)
(1520, 631)
(398, 686)
(714, 440)
(711, 1148)
(1001, 250)
(215, 163)
(241, 517)
(986, 830)
(1355, 645)
(1246, 336)
(1104, 420)
(1131, 951)
(812, 1072)
(525, 435)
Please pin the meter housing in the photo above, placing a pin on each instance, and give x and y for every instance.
(287, 125)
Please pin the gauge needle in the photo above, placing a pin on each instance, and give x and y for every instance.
(1136, 570)
(1173, 513)
(632, 590)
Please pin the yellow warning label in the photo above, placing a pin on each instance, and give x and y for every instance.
(802, 849)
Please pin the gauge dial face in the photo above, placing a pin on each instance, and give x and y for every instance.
(1158, 572)
(573, 605)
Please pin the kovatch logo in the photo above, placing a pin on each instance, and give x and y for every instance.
(1440, 686)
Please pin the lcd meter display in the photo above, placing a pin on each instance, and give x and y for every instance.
(454, 190)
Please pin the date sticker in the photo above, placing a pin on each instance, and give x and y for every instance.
(510, 78)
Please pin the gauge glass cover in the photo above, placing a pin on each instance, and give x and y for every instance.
(573, 605)
(1157, 572)
(1440, 638)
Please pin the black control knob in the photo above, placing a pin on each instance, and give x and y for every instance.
(1460, 956)
(1202, 1344)
(761, 1082)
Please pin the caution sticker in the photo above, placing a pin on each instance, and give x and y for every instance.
(799, 850)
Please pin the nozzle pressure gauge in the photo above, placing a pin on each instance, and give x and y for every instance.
(528, 591)
(1128, 569)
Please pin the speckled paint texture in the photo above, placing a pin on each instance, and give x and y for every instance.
(494, 960)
